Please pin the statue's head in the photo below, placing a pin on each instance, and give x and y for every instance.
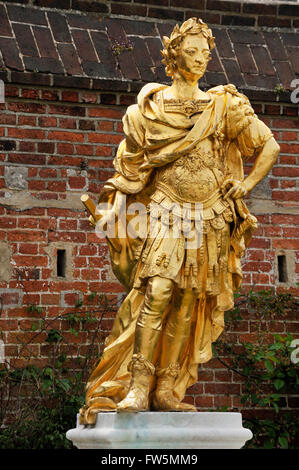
(188, 49)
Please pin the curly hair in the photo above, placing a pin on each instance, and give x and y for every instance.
(171, 44)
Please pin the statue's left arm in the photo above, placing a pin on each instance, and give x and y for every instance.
(263, 164)
(256, 140)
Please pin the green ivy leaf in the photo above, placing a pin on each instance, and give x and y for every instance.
(65, 385)
(269, 444)
(276, 408)
(278, 384)
(92, 296)
(53, 336)
(269, 365)
(283, 441)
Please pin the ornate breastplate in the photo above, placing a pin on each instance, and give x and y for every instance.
(192, 177)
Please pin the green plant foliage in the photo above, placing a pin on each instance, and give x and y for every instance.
(265, 366)
(38, 404)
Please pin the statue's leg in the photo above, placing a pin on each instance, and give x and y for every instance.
(148, 329)
(174, 340)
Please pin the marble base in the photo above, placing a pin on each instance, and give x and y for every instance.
(162, 430)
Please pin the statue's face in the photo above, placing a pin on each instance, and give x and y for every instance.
(192, 56)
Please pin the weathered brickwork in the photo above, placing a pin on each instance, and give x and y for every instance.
(60, 127)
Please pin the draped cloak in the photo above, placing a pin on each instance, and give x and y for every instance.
(153, 138)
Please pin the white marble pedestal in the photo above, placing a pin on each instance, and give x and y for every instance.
(162, 430)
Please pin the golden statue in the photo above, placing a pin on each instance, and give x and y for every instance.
(183, 150)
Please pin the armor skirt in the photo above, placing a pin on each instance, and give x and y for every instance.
(188, 243)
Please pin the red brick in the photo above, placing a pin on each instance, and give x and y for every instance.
(27, 108)
(223, 376)
(48, 224)
(289, 135)
(285, 171)
(259, 243)
(204, 401)
(67, 110)
(101, 151)
(273, 231)
(285, 195)
(286, 244)
(105, 113)
(111, 287)
(105, 126)
(84, 149)
(67, 237)
(26, 121)
(291, 327)
(11, 90)
(7, 222)
(68, 136)
(55, 212)
(48, 173)
(28, 248)
(105, 138)
(65, 149)
(46, 121)
(27, 222)
(29, 93)
(288, 184)
(37, 185)
(66, 123)
(285, 124)
(68, 224)
(220, 401)
(273, 183)
(283, 219)
(56, 185)
(49, 95)
(80, 262)
(71, 298)
(89, 98)
(222, 388)
(260, 278)
(255, 255)
(26, 133)
(9, 119)
(77, 182)
(22, 337)
(196, 388)
(289, 148)
(89, 250)
(10, 298)
(22, 236)
(290, 232)
(31, 260)
(50, 299)
(90, 274)
(70, 96)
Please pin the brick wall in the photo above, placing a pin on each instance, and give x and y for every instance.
(60, 126)
(58, 143)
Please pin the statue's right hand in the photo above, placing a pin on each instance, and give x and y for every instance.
(92, 221)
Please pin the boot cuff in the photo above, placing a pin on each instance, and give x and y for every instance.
(140, 363)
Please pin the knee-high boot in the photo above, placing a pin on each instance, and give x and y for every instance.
(137, 398)
(163, 397)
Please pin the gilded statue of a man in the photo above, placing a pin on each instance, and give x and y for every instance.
(183, 147)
